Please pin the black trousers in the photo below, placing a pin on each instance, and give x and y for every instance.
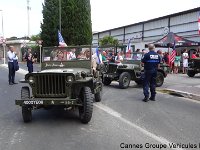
(11, 74)
(149, 81)
(30, 68)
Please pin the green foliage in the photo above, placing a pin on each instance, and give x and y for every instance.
(108, 40)
(12, 38)
(76, 25)
(50, 23)
(35, 37)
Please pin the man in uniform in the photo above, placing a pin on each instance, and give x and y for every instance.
(151, 62)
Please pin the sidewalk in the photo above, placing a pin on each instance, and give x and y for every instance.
(181, 84)
(36, 66)
(23, 67)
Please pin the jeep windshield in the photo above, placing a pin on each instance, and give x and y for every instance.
(133, 56)
(66, 54)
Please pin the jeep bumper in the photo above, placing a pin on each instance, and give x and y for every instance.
(46, 101)
(111, 76)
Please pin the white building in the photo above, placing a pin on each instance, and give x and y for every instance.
(183, 24)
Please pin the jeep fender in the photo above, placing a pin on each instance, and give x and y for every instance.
(164, 74)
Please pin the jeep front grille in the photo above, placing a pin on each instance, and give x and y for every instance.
(196, 64)
(50, 85)
(112, 68)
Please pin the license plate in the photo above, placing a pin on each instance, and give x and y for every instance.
(33, 102)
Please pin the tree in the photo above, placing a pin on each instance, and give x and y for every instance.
(35, 37)
(50, 23)
(76, 22)
(108, 40)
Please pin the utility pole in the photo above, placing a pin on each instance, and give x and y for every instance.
(3, 41)
(60, 15)
(2, 23)
(28, 9)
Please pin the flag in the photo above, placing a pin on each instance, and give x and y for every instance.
(61, 40)
(128, 49)
(97, 53)
(199, 23)
(173, 55)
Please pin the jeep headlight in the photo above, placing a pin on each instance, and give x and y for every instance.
(31, 80)
(70, 78)
(83, 74)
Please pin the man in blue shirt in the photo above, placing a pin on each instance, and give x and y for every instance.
(151, 62)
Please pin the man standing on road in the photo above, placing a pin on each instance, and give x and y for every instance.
(151, 61)
(30, 59)
(12, 56)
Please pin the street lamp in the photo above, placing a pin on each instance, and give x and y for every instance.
(3, 41)
(4, 51)
(2, 23)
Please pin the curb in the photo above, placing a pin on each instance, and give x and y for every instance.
(22, 71)
(4, 65)
(180, 93)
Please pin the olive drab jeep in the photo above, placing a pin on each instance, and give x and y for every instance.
(66, 81)
(129, 68)
(193, 67)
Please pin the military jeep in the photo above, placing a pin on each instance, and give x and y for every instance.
(66, 81)
(130, 69)
(193, 67)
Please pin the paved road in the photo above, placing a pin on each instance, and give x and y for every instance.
(121, 117)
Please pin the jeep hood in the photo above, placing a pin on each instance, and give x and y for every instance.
(66, 70)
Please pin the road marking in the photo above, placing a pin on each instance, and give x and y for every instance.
(144, 131)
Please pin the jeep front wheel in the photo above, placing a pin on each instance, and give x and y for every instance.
(124, 80)
(190, 73)
(159, 79)
(85, 111)
(107, 81)
(26, 110)
(98, 96)
(27, 114)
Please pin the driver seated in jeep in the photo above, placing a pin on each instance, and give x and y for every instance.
(111, 57)
(118, 58)
(72, 54)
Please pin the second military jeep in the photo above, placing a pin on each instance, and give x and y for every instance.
(193, 67)
(130, 69)
(66, 80)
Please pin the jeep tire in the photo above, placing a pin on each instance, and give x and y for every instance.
(98, 96)
(26, 110)
(159, 79)
(190, 73)
(107, 81)
(85, 111)
(124, 80)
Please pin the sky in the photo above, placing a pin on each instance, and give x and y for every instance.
(106, 14)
